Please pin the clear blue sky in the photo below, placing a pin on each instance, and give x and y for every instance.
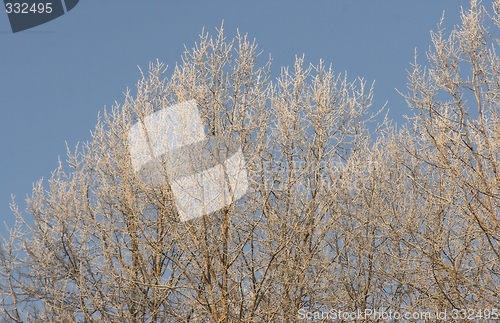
(56, 77)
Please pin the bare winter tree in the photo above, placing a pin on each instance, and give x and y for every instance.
(453, 160)
(106, 247)
(336, 218)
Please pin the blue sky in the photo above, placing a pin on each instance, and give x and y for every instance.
(55, 78)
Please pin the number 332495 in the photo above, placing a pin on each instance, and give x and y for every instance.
(16, 7)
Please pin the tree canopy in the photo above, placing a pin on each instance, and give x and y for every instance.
(342, 213)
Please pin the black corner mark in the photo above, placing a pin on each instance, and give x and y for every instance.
(26, 14)
(70, 4)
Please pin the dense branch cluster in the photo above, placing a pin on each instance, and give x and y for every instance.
(339, 213)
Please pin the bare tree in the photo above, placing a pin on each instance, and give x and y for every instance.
(105, 246)
(452, 158)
